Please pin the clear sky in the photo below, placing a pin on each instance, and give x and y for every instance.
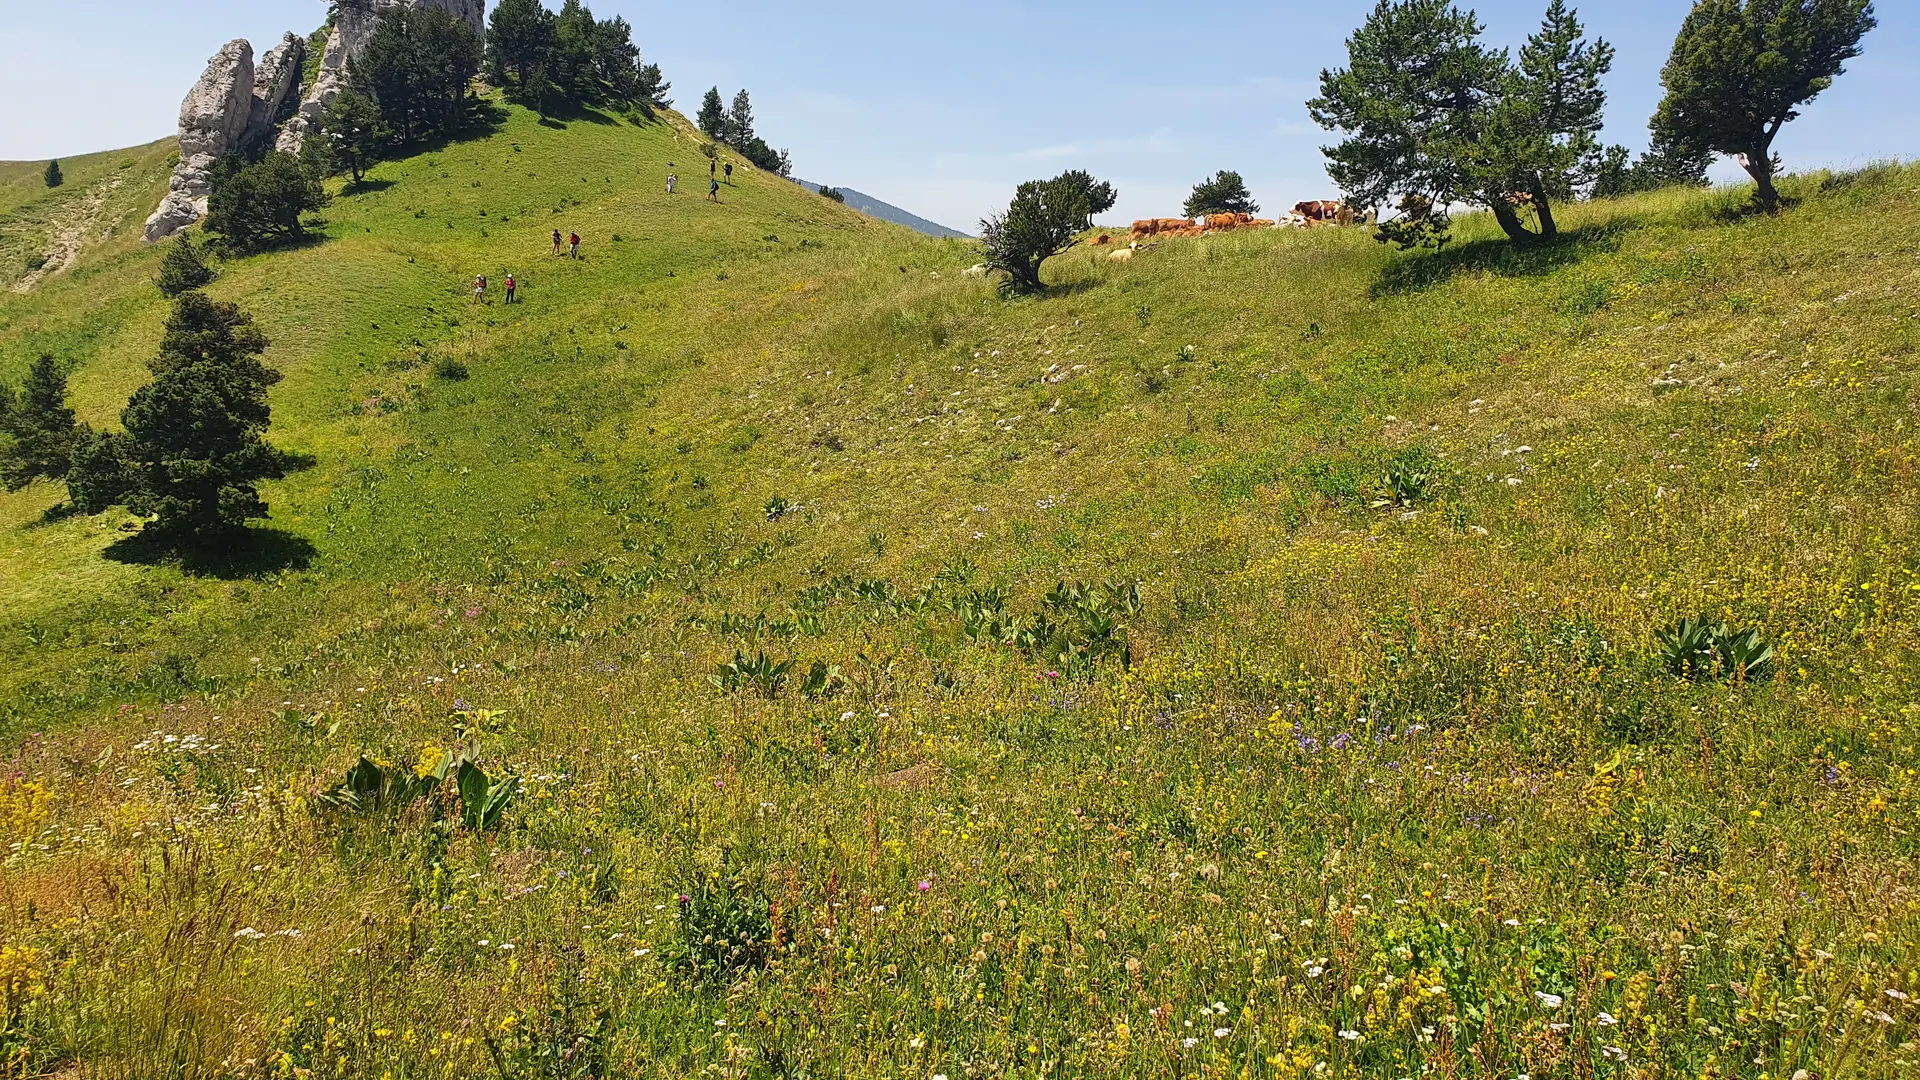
(942, 107)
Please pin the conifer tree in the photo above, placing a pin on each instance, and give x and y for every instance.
(713, 116)
(1041, 222)
(1222, 193)
(519, 38)
(262, 205)
(1741, 70)
(740, 120)
(53, 176)
(194, 445)
(38, 427)
(1436, 117)
(1100, 195)
(352, 134)
(181, 269)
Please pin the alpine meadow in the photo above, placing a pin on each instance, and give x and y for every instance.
(485, 615)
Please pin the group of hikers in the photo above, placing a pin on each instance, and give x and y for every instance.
(715, 167)
(571, 242)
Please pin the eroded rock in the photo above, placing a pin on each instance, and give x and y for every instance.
(213, 120)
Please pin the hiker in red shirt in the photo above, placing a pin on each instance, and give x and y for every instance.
(511, 285)
(573, 243)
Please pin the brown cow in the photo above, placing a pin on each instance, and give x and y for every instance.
(1156, 226)
(1100, 241)
(1319, 211)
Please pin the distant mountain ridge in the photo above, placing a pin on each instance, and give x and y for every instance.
(886, 211)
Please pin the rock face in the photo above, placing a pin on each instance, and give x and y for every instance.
(275, 80)
(236, 105)
(353, 25)
(213, 120)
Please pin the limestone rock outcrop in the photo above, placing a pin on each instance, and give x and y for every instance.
(353, 25)
(275, 80)
(213, 120)
(236, 105)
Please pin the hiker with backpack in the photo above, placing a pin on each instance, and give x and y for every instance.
(480, 289)
(573, 245)
(511, 285)
(556, 241)
(729, 171)
(713, 191)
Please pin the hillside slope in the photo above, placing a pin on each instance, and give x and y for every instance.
(886, 211)
(1383, 773)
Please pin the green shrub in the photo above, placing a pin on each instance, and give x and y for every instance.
(725, 926)
(182, 269)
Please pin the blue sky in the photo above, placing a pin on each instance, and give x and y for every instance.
(942, 108)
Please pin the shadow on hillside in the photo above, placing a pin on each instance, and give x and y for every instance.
(367, 186)
(1421, 271)
(566, 113)
(251, 553)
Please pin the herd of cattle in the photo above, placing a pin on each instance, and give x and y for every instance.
(1304, 215)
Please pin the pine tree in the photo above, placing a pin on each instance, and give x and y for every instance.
(39, 427)
(53, 175)
(353, 133)
(570, 62)
(1741, 69)
(519, 38)
(1436, 117)
(713, 116)
(740, 121)
(181, 269)
(417, 67)
(616, 63)
(194, 445)
(1100, 195)
(1222, 193)
(262, 205)
(1041, 222)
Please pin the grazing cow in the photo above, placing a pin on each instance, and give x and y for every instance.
(1156, 226)
(1319, 212)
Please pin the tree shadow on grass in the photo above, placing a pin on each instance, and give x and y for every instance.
(1500, 257)
(248, 553)
(367, 186)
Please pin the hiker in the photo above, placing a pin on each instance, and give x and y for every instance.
(712, 164)
(556, 241)
(729, 172)
(511, 285)
(480, 289)
(671, 180)
(713, 191)
(573, 245)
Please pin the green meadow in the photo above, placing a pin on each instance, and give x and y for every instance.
(777, 654)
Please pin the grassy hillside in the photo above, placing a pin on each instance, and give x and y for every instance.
(1394, 781)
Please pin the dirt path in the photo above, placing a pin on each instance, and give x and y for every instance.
(71, 234)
